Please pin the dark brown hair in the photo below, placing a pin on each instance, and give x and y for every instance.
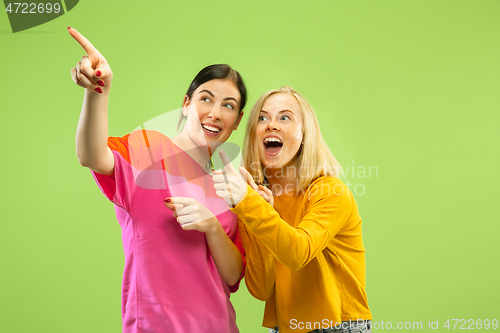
(214, 72)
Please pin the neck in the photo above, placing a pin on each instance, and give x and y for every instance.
(283, 180)
(201, 154)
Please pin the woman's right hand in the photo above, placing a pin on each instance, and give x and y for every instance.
(93, 71)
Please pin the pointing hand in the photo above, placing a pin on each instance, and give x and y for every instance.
(93, 71)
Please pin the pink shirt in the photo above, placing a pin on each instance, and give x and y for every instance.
(170, 281)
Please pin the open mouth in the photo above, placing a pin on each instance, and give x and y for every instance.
(273, 145)
(211, 129)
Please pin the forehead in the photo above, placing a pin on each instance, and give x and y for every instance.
(220, 87)
(281, 101)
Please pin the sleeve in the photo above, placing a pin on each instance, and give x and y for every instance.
(260, 275)
(133, 153)
(117, 186)
(238, 243)
(327, 209)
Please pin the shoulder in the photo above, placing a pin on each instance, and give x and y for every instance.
(148, 137)
(140, 140)
(139, 136)
(327, 186)
(327, 193)
(140, 143)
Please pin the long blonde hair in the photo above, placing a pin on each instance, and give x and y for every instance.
(315, 158)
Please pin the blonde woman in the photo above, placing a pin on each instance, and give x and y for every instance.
(303, 240)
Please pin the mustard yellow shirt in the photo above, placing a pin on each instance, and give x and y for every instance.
(305, 257)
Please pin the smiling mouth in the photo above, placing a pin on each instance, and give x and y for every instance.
(272, 145)
(211, 129)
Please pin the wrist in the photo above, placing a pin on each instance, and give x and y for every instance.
(214, 227)
(95, 94)
(244, 195)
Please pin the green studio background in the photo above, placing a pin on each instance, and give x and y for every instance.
(408, 88)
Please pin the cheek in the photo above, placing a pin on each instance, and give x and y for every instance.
(230, 120)
(199, 110)
(294, 138)
(295, 145)
(261, 131)
(193, 114)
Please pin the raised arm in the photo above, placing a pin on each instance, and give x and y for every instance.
(94, 74)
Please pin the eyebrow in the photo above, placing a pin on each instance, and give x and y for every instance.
(228, 98)
(278, 111)
(225, 99)
(208, 92)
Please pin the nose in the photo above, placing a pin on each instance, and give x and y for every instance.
(214, 113)
(272, 126)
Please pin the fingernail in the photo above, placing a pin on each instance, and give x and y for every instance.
(98, 73)
(168, 200)
(101, 83)
(69, 28)
(98, 90)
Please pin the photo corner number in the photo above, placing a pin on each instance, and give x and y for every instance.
(27, 15)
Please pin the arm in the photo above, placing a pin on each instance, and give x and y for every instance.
(260, 275)
(226, 255)
(92, 133)
(327, 209)
(191, 215)
(94, 74)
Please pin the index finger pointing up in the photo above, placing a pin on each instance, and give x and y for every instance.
(225, 161)
(84, 42)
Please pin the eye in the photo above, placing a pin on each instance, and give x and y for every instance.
(262, 118)
(229, 106)
(285, 118)
(205, 99)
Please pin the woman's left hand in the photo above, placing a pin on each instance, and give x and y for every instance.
(263, 191)
(266, 194)
(229, 184)
(192, 215)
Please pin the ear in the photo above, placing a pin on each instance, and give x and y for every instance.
(185, 105)
(238, 121)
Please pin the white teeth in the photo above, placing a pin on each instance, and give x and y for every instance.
(210, 128)
(272, 139)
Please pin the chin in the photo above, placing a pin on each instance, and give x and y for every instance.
(214, 144)
(271, 164)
